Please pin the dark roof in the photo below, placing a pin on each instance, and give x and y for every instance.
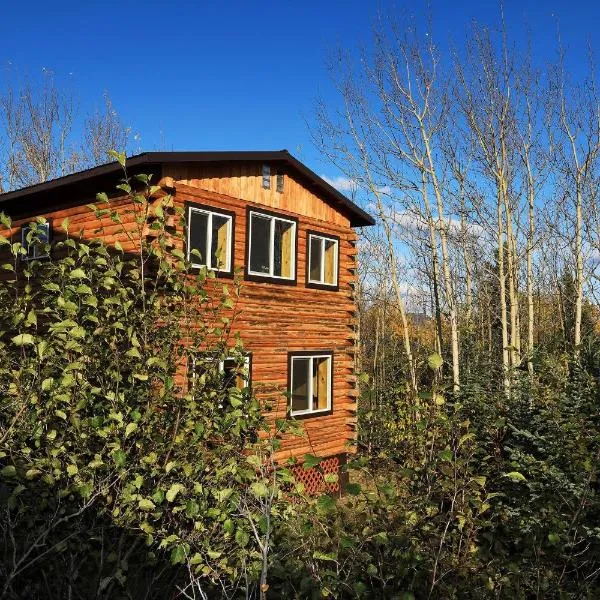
(43, 194)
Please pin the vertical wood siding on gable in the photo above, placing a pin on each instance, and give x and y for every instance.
(244, 181)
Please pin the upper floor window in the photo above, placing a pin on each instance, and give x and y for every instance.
(322, 260)
(210, 234)
(35, 239)
(271, 246)
(310, 382)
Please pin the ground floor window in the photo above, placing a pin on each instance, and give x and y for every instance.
(310, 382)
(235, 373)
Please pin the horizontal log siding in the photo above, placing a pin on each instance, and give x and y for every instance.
(272, 319)
(276, 319)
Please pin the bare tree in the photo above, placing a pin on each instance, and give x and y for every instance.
(38, 129)
(103, 131)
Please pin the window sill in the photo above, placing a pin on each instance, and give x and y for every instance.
(268, 279)
(195, 269)
(323, 286)
(311, 415)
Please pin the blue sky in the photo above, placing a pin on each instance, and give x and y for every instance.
(235, 75)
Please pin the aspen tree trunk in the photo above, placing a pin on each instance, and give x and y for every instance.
(434, 265)
(513, 301)
(529, 274)
(466, 255)
(579, 265)
(502, 284)
(449, 288)
(401, 308)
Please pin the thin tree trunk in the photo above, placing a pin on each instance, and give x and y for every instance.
(434, 265)
(529, 275)
(579, 267)
(449, 288)
(503, 309)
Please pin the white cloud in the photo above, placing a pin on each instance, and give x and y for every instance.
(415, 222)
(343, 184)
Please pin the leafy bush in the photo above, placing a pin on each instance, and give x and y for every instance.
(112, 456)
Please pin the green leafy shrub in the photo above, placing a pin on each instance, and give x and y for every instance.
(116, 464)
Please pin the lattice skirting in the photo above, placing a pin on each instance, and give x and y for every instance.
(314, 478)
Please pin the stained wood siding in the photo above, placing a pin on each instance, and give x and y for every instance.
(275, 319)
(243, 180)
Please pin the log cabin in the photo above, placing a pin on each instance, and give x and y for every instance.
(293, 237)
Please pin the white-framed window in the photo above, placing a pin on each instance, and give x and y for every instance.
(210, 233)
(323, 259)
(34, 239)
(235, 373)
(310, 382)
(271, 246)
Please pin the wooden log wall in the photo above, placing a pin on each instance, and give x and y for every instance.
(273, 319)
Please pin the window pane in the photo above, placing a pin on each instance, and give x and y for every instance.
(321, 382)
(234, 375)
(220, 242)
(259, 244)
(315, 258)
(266, 176)
(284, 247)
(330, 260)
(43, 232)
(300, 380)
(198, 228)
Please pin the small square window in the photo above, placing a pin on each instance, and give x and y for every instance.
(310, 379)
(271, 246)
(266, 177)
(35, 239)
(323, 259)
(210, 234)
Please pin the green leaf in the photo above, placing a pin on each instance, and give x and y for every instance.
(515, 476)
(332, 557)
(354, 489)
(435, 361)
(173, 491)
(177, 555)
(47, 384)
(326, 503)
(77, 274)
(146, 504)
(72, 470)
(119, 457)
(259, 489)
(446, 455)
(131, 427)
(23, 339)
(331, 478)
(120, 158)
(241, 537)
(8, 471)
(311, 461)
